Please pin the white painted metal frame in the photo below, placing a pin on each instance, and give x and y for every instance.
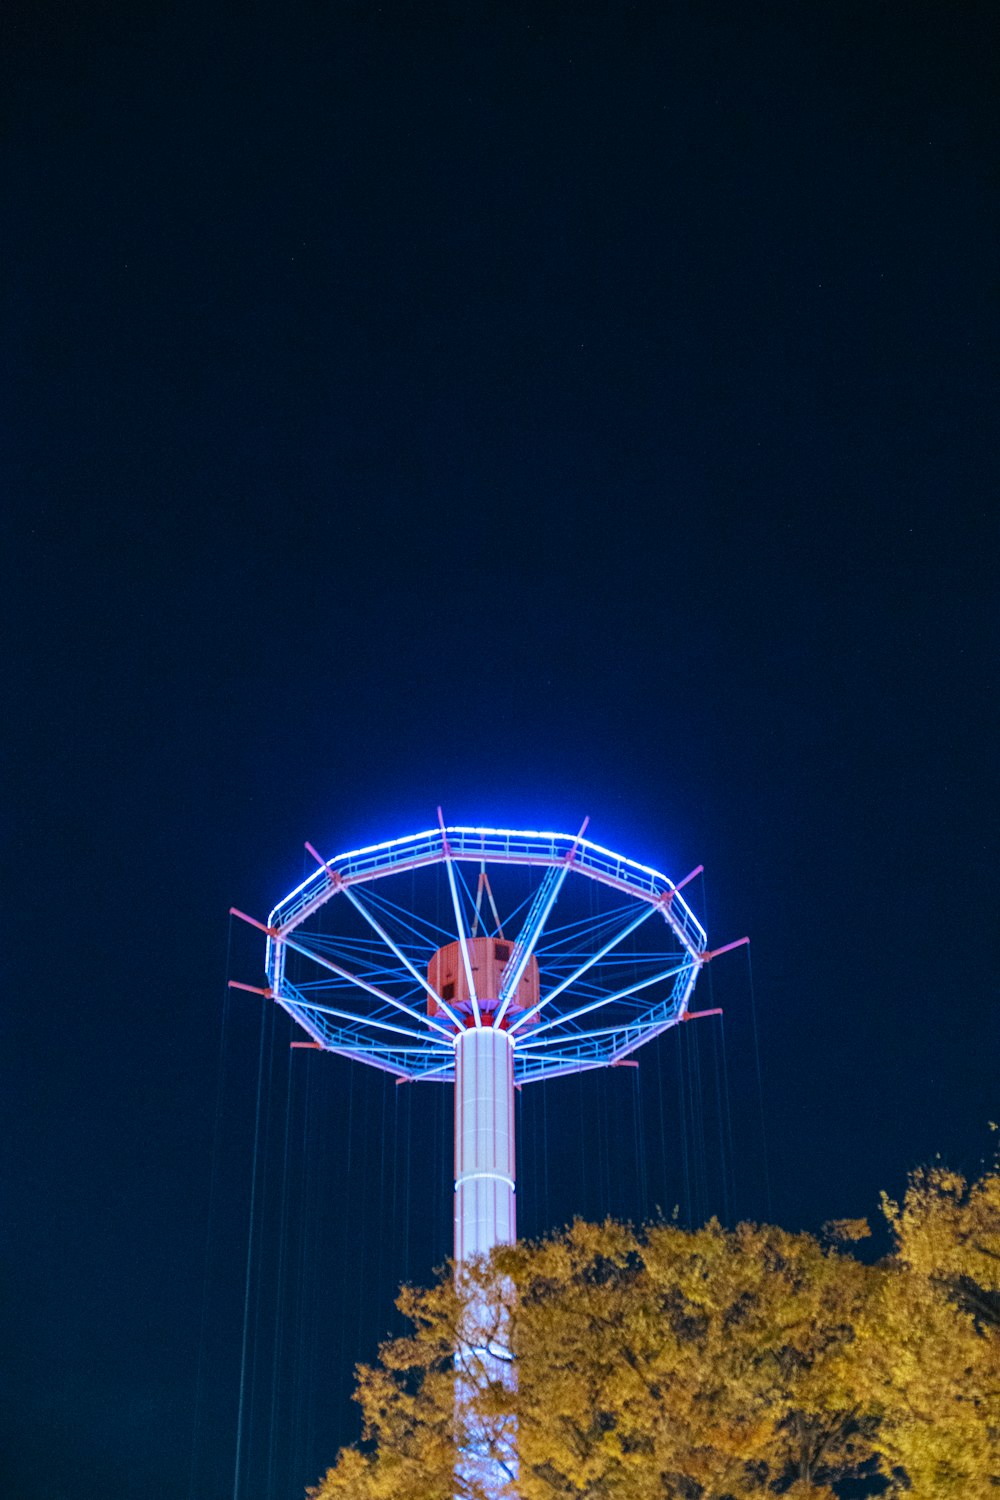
(494, 845)
(544, 1042)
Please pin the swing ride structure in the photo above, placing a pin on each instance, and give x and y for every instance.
(487, 959)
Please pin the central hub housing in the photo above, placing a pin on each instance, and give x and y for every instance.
(488, 957)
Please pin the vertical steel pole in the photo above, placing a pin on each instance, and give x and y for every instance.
(484, 1217)
(484, 1141)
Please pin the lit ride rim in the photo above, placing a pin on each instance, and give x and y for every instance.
(560, 999)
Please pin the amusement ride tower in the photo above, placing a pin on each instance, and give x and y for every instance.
(489, 958)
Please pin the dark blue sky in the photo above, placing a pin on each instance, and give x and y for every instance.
(538, 409)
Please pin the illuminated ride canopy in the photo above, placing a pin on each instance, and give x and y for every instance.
(390, 953)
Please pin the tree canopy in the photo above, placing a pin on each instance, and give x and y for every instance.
(714, 1364)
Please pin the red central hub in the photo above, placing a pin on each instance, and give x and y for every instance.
(488, 957)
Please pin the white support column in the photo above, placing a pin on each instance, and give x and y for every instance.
(484, 1142)
(484, 1217)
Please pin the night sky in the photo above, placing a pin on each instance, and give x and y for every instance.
(543, 410)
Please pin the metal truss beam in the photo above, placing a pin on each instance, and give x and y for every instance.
(578, 973)
(499, 846)
(346, 1015)
(548, 893)
(424, 983)
(572, 1015)
(460, 925)
(363, 984)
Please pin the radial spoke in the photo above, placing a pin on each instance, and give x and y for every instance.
(460, 928)
(355, 900)
(431, 938)
(347, 1015)
(595, 958)
(528, 937)
(590, 925)
(327, 963)
(602, 1000)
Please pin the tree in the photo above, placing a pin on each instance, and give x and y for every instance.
(707, 1365)
(948, 1230)
(937, 1332)
(701, 1364)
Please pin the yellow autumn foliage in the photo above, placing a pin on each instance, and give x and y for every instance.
(712, 1364)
